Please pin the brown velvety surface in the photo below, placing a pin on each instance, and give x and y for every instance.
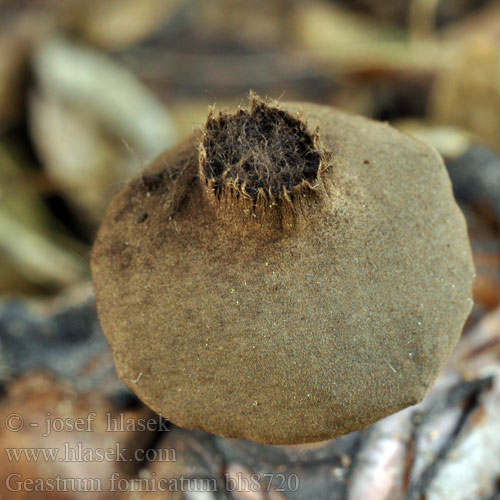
(287, 324)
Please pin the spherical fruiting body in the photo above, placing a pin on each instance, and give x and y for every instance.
(290, 274)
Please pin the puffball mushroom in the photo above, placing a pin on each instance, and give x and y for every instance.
(289, 274)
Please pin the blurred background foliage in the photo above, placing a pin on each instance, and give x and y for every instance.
(91, 90)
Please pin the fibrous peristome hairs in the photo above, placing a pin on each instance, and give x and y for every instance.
(263, 154)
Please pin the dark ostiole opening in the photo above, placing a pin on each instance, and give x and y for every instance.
(263, 149)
